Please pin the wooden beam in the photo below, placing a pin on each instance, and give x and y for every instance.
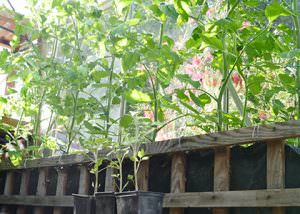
(40, 201)
(250, 198)
(24, 189)
(221, 174)
(143, 176)
(49, 162)
(84, 180)
(245, 198)
(8, 188)
(276, 169)
(178, 178)
(266, 133)
(61, 187)
(41, 188)
(263, 133)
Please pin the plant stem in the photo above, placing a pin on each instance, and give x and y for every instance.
(297, 39)
(227, 78)
(225, 72)
(96, 173)
(135, 175)
(156, 106)
(70, 135)
(109, 98)
(38, 116)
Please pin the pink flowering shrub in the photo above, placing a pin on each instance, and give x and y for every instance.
(263, 115)
(237, 80)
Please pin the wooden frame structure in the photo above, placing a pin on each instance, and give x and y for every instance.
(275, 196)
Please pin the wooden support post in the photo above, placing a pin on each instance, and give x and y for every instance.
(24, 189)
(221, 174)
(84, 180)
(8, 188)
(178, 178)
(61, 187)
(276, 169)
(109, 180)
(143, 175)
(41, 188)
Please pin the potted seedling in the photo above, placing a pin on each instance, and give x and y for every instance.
(99, 202)
(138, 202)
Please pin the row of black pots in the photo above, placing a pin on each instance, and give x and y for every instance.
(135, 202)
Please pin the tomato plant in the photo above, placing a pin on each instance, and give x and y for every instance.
(188, 67)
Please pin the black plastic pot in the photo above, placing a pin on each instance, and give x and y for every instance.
(105, 203)
(84, 204)
(138, 202)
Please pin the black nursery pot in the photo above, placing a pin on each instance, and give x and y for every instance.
(84, 204)
(105, 203)
(139, 202)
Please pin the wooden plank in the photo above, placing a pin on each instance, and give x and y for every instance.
(250, 198)
(109, 180)
(266, 133)
(41, 201)
(8, 188)
(84, 180)
(276, 169)
(24, 189)
(221, 174)
(49, 162)
(178, 178)
(263, 133)
(41, 188)
(61, 187)
(143, 176)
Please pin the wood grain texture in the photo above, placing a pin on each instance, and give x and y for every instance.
(8, 188)
(84, 180)
(41, 201)
(221, 174)
(109, 180)
(248, 198)
(245, 198)
(266, 133)
(61, 187)
(178, 178)
(263, 133)
(24, 189)
(41, 188)
(276, 169)
(143, 175)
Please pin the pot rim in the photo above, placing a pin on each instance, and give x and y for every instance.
(139, 193)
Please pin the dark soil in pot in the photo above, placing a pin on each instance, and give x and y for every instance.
(105, 203)
(138, 202)
(84, 204)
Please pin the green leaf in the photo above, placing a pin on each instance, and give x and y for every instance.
(3, 100)
(213, 41)
(195, 99)
(181, 95)
(129, 60)
(187, 79)
(98, 75)
(286, 80)
(205, 99)
(141, 153)
(275, 10)
(277, 106)
(136, 96)
(254, 83)
(126, 121)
